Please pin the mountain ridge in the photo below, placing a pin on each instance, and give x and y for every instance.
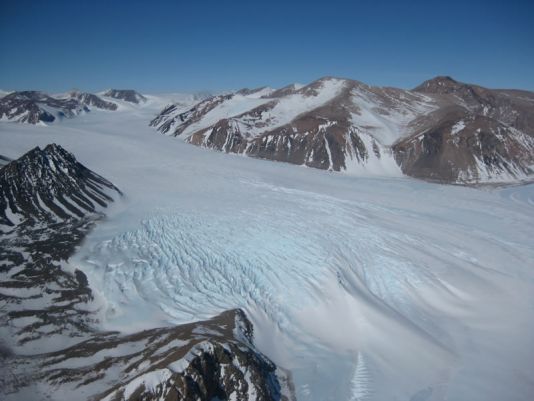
(345, 125)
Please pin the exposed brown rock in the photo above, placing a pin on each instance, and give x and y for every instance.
(348, 129)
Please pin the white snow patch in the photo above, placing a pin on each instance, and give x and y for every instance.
(459, 126)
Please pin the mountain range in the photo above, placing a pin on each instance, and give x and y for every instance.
(185, 273)
(36, 107)
(443, 130)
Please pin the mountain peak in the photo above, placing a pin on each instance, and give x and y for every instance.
(128, 95)
(50, 183)
(439, 84)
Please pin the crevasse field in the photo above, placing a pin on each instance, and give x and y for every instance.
(365, 288)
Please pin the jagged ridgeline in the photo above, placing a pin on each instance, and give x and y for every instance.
(35, 107)
(50, 343)
(50, 184)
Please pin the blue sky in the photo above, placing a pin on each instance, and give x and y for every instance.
(163, 46)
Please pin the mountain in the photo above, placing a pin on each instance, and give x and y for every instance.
(50, 344)
(35, 107)
(128, 95)
(50, 185)
(345, 125)
(478, 135)
(48, 202)
(205, 360)
(90, 99)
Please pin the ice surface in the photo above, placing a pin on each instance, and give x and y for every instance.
(365, 288)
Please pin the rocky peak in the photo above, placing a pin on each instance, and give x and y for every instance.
(440, 84)
(49, 184)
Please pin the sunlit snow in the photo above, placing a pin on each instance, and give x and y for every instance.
(365, 288)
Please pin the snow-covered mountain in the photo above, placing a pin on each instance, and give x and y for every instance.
(345, 125)
(35, 107)
(48, 202)
(49, 337)
(373, 288)
(47, 184)
(128, 95)
(92, 100)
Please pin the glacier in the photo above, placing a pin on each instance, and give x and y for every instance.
(365, 288)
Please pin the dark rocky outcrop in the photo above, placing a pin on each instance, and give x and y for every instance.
(47, 184)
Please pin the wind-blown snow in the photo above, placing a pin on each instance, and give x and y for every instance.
(365, 288)
(387, 122)
(289, 107)
(238, 104)
(283, 112)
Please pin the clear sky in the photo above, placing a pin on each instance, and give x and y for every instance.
(165, 46)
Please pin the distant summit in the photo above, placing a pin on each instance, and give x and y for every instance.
(34, 107)
(439, 84)
(90, 99)
(128, 95)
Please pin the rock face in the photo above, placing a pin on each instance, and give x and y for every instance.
(50, 184)
(478, 135)
(127, 95)
(199, 361)
(213, 359)
(50, 346)
(345, 125)
(37, 107)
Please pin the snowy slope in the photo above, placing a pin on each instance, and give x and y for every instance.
(364, 288)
